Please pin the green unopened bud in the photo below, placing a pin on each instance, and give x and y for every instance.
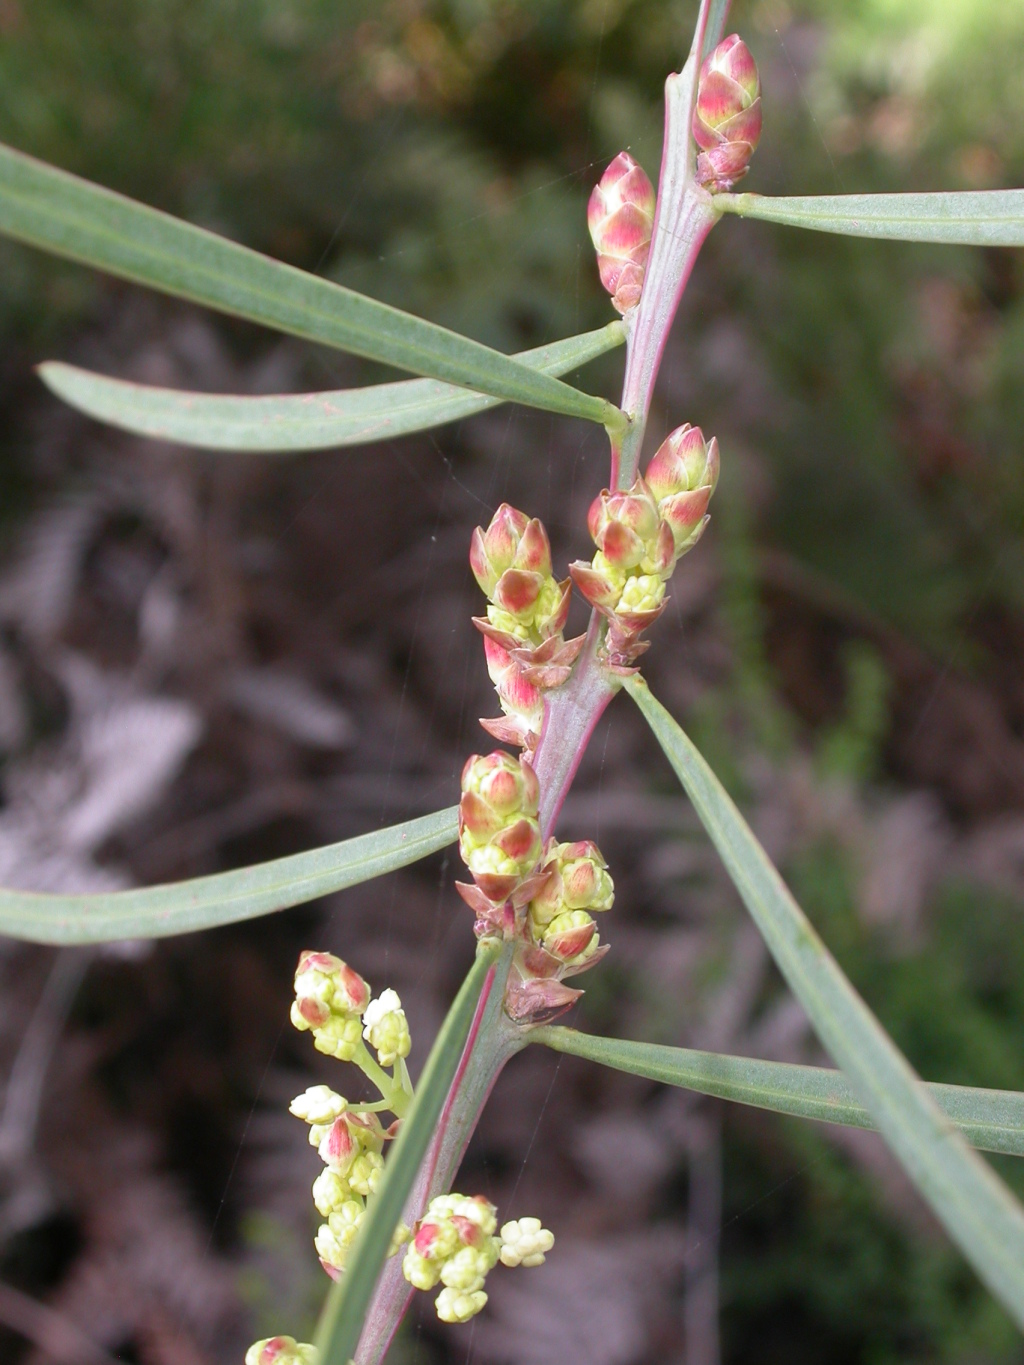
(366, 1173)
(644, 592)
(525, 1242)
(330, 1192)
(470, 1266)
(683, 475)
(281, 1351)
(727, 116)
(499, 837)
(386, 1028)
(340, 1037)
(454, 1305)
(334, 1238)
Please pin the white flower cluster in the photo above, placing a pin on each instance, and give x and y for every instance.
(454, 1244)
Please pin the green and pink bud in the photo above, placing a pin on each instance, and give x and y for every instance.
(571, 937)
(682, 477)
(511, 561)
(281, 1351)
(727, 117)
(499, 837)
(620, 216)
(326, 987)
(575, 877)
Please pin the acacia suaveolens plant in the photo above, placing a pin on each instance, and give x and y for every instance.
(533, 897)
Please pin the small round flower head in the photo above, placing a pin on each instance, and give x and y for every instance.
(335, 1237)
(319, 1104)
(620, 216)
(386, 1028)
(281, 1351)
(366, 1173)
(727, 116)
(643, 592)
(455, 1305)
(339, 1038)
(470, 1266)
(525, 1242)
(326, 989)
(330, 1192)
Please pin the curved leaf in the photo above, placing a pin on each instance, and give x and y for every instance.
(975, 1207)
(970, 217)
(990, 1119)
(342, 1319)
(224, 897)
(71, 217)
(302, 421)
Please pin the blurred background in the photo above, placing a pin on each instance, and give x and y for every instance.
(210, 660)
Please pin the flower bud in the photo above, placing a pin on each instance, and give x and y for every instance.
(340, 1037)
(512, 540)
(318, 1104)
(454, 1305)
(682, 476)
(727, 116)
(643, 593)
(575, 879)
(469, 1267)
(625, 527)
(386, 1028)
(499, 837)
(330, 1192)
(620, 216)
(281, 1351)
(326, 987)
(571, 937)
(335, 1237)
(525, 1242)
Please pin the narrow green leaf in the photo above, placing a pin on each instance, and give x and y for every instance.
(975, 1207)
(302, 421)
(225, 897)
(342, 1319)
(970, 217)
(990, 1119)
(718, 12)
(58, 212)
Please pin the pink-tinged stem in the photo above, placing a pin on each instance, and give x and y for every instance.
(492, 1040)
(570, 715)
(683, 218)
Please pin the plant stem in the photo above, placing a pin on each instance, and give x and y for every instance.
(492, 1040)
(683, 219)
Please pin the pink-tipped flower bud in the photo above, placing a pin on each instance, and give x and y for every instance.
(499, 837)
(575, 878)
(571, 937)
(512, 541)
(281, 1351)
(620, 216)
(326, 988)
(682, 476)
(627, 529)
(727, 117)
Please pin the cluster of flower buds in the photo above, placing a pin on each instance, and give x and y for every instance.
(526, 652)
(281, 1351)
(727, 116)
(640, 534)
(454, 1244)
(333, 1001)
(329, 1001)
(620, 216)
(499, 838)
(560, 938)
